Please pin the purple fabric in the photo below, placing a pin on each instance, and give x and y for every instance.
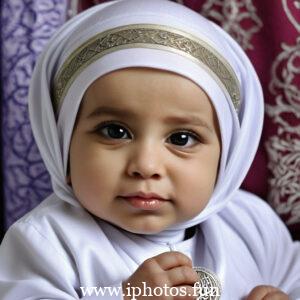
(27, 25)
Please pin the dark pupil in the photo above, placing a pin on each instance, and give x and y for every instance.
(179, 139)
(115, 131)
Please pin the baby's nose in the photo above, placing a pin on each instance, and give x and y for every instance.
(145, 162)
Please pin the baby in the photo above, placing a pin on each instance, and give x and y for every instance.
(148, 117)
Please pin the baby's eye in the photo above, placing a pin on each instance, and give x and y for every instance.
(184, 139)
(114, 131)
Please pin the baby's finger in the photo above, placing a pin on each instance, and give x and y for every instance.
(184, 292)
(181, 276)
(169, 260)
(276, 295)
(259, 292)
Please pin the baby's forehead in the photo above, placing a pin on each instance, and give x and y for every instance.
(147, 81)
(148, 85)
(139, 94)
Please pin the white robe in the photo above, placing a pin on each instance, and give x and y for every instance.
(57, 248)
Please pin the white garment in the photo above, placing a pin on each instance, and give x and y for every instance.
(59, 247)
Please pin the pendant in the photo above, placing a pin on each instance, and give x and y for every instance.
(208, 286)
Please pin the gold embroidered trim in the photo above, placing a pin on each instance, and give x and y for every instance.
(145, 36)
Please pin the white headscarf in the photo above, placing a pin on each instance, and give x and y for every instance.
(240, 131)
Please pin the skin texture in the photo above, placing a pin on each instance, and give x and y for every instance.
(267, 292)
(147, 156)
(171, 268)
(147, 148)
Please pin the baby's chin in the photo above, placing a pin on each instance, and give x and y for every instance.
(147, 229)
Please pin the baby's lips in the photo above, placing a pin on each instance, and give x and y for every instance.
(144, 195)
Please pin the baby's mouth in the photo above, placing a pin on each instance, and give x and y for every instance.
(144, 201)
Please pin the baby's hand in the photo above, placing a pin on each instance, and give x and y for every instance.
(267, 292)
(171, 269)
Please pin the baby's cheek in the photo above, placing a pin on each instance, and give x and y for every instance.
(193, 191)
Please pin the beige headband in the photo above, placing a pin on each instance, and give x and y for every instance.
(146, 36)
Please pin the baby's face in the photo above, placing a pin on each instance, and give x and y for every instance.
(145, 150)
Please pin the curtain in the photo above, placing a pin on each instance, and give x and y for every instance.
(267, 30)
(26, 27)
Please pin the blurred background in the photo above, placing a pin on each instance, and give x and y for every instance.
(269, 32)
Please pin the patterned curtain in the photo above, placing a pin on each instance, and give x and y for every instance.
(269, 31)
(26, 27)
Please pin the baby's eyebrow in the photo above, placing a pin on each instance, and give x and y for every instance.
(188, 120)
(182, 120)
(107, 110)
